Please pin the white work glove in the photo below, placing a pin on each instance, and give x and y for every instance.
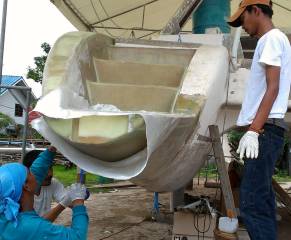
(66, 200)
(249, 145)
(77, 191)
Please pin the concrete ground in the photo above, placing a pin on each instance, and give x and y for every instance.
(123, 214)
(126, 214)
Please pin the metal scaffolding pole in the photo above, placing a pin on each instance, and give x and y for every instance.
(3, 26)
(26, 112)
(26, 89)
(25, 128)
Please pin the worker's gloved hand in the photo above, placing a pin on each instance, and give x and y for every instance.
(66, 201)
(249, 145)
(77, 191)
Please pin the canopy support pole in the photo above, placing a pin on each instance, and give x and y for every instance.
(3, 27)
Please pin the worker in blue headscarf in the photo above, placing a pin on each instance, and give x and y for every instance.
(18, 220)
(11, 189)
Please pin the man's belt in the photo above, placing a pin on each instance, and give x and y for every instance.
(277, 122)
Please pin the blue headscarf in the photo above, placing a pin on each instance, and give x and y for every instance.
(12, 179)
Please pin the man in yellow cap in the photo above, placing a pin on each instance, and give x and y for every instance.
(262, 113)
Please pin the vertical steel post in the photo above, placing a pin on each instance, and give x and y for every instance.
(82, 176)
(3, 26)
(156, 202)
(25, 129)
(289, 160)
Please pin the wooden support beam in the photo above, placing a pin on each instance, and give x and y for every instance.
(282, 195)
(212, 185)
(177, 199)
(223, 173)
(177, 22)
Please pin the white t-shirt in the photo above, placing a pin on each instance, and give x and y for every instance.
(55, 191)
(273, 48)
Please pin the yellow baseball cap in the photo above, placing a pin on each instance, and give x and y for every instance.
(234, 20)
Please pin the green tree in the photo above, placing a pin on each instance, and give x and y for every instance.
(36, 73)
(5, 120)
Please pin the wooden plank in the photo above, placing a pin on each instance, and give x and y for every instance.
(212, 185)
(177, 199)
(282, 194)
(224, 179)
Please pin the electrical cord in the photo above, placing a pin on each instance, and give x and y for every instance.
(203, 213)
(122, 230)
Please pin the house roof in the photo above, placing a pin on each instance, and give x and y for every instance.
(9, 80)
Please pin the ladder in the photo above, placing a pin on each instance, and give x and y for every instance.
(222, 171)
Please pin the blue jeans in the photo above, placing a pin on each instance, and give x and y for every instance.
(257, 198)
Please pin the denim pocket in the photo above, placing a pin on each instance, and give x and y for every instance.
(276, 139)
(277, 136)
(274, 131)
(264, 144)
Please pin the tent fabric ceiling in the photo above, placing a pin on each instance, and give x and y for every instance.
(125, 18)
(140, 18)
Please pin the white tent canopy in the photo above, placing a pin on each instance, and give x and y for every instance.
(140, 18)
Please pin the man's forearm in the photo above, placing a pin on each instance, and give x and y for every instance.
(54, 213)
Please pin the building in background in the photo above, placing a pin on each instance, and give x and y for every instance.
(8, 104)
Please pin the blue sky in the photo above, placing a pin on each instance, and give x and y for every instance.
(30, 23)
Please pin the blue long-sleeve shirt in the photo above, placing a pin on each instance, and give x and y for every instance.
(33, 227)
(41, 165)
